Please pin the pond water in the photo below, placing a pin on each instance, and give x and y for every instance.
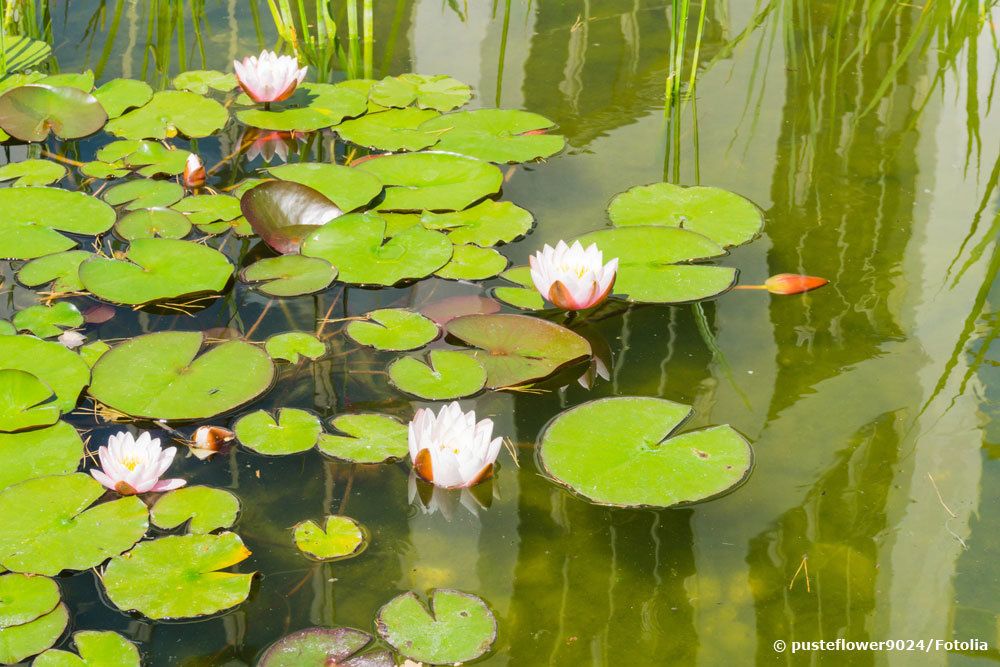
(871, 512)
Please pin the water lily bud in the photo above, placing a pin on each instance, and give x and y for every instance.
(269, 77)
(571, 277)
(194, 172)
(793, 283)
(450, 449)
(131, 465)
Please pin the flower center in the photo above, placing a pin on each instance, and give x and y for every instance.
(130, 463)
(578, 269)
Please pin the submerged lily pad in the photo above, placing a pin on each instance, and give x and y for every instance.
(346, 187)
(119, 95)
(470, 262)
(204, 508)
(149, 223)
(24, 598)
(29, 215)
(179, 576)
(448, 375)
(97, 649)
(30, 112)
(54, 450)
(144, 193)
(439, 92)
(485, 224)
(289, 275)
(432, 181)
(32, 172)
(623, 451)
(457, 627)
(168, 113)
(60, 369)
(25, 401)
(295, 431)
(370, 438)
(325, 647)
(166, 375)
(723, 216)
(284, 213)
(393, 329)
(392, 130)
(496, 135)
(292, 345)
(48, 321)
(19, 642)
(313, 106)
(60, 269)
(341, 537)
(517, 349)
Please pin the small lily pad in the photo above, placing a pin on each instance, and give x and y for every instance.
(144, 193)
(201, 81)
(341, 537)
(624, 452)
(395, 329)
(496, 135)
(25, 402)
(168, 113)
(325, 647)
(485, 224)
(439, 92)
(91, 352)
(60, 369)
(30, 112)
(432, 181)
(369, 438)
(313, 106)
(470, 262)
(448, 375)
(346, 187)
(19, 642)
(119, 95)
(292, 345)
(54, 450)
(392, 130)
(103, 170)
(206, 209)
(456, 627)
(48, 321)
(295, 431)
(97, 649)
(60, 269)
(150, 223)
(284, 213)
(289, 275)
(525, 296)
(24, 598)
(32, 172)
(147, 158)
(204, 508)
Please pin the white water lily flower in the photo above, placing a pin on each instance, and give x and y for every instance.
(269, 77)
(571, 277)
(450, 449)
(131, 465)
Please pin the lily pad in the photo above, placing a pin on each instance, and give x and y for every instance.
(369, 438)
(457, 627)
(496, 135)
(325, 647)
(179, 576)
(28, 216)
(448, 375)
(295, 431)
(470, 262)
(25, 401)
(46, 526)
(393, 329)
(30, 112)
(144, 193)
(341, 537)
(623, 452)
(24, 598)
(723, 216)
(32, 172)
(429, 92)
(517, 349)
(103, 170)
(289, 275)
(163, 376)
(355, 243)
(432, 181)
(239, 226)
(7, 329)
(60, 369)
(313, 106)
(119, 95)
(204, 508)
(54, 450)
(60, 269)
(168, 113)
(91, 352)
(525, 296)
(283, 213)
(148, 158)
(655, 264)
(149, 223)
(200, 81)
(19, 642)
(48, 321)
(97, 649)
(485, 224)
(206, 209)
(156, 270)
(292, 345)
(392, 130)
(83, 81)
(346, 187)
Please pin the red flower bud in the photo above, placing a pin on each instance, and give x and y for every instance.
(793, 283)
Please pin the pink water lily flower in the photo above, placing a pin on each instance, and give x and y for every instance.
(131, 465)
(571, 277)
(450, 449)
(269, 77)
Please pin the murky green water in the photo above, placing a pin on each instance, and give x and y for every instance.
(871, 512)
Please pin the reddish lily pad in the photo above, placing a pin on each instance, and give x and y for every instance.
(325, 647)
(284, 213)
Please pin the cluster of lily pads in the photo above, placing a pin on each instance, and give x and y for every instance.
(141, 224)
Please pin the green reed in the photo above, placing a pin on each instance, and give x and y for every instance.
(680, 11)
(311, 33)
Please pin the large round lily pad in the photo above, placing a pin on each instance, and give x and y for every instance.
(446, 375)
(457, 627)
(179, 576)
(284, 213)
(166, 375)
(368, 438)
(54, 450)
(24, 598)
(19, 642)
(25, 401)
(325, 647)
(432, 181)
(289, 275)
(393, 329)
(294, 431)
(29, 215)
(171, 112)
(60, 369)
(119, 95)
(340, 537)
(346, 187)
(30, 112)
(313, 106)
(496, 135)
(624, 452)
(517, 349)
(392, 130)
(203, 508)
(97, 649)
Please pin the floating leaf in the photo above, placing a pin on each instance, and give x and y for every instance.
(293, 344)
(144, 193)
(83, 81)
(283, 214)
(7, 329)
(445, 310)
(485, 224)
(470, 262)
(346, 187)
(148, 158)
(370, 438)
(393, 329)
(289, 275)
(60, 369)
(429, 92)
(168, 113)
(25, 401)
(32, 172)
(341, 537)
(45, 526)
(496, 135)
(179, 576)
(54, 450)
(205, 209)
(163, 376)
(24, 598)
(91, 352)
(623, 451)
(458, 627)
(239, 226)
(19, 642)
(119, 95)
(200, 81)
(448, 375)
(295, 431)
(22, 52)
(204, 508)
(432, 181)
(149, 223)
(28, 216)
(526, 296)
(97, 649)
(723, 216)
(60, 269)
(48, 321)
(313, 106)
(392, 130)
(103, 170)
(325, 647)
(30, 112)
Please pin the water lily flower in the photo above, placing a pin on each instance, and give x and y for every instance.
(269, 77)
(450, 449)
(131, 465)
(571, 277)
(194, 172)
(72, 339)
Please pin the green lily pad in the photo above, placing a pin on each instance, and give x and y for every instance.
(313, 106)
(22, 52)
(369, 438)
(97, 649)
(29, 215)
(395, 329)
(7, 329)
(168, 113)
(448, 375)
(24, 599)
(525, 296)
(496, 135)
(517, 349)
(150, 223)
(294, 344)
(103, 170)
(26, 240)
(25, 401)
(623, 452)
(19, 642)
(60, 269)
(239, 226)
(655, 264)
(206, 209)
(60, 369)
(295, 431)
(30, 112)
(289, 275)
(91, 352)
(284, 213)
(163, 376)
(203, 508)
(119, 95)
(348, 188)
(341, 537)
(155, 270)
(440, 92)
(46, 526)
(179, 576)
(457, 627)
(83, 81)
(148, 158)
(48, 321)
(355, 243)
(54, 450)
(470, 262)
(432, 181)
(144, 193)
(325, 647)
(200, 81)
(392, 130)
(723, 216)
(485, 224)
(32, 172)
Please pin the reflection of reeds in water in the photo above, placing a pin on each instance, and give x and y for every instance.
(313, 36)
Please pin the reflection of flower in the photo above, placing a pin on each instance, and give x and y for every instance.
(573, 278)
(451, 449)
(194, 172)
(269, 77)
(431, 499)
(132, 465)
(268, 143)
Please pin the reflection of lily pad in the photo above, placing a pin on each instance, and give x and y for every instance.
(470, 262)
(458, 627)
(325, 647)
(55, 450)
(496, 135)
(48, 321)
(25, 402)
(60, 369)
(432, 181)
(369, 438)
(341, 537)
(19, 642)
(289, 275)
(60, 269)
(32, 172)
(292, 345)
(30, 112)
(393, 329)
(313, 106)
(448, 374)
(144, 193)
(619, 451)
(347, 188)
(485, 224)
(97, 649)
(149, 223)
(392, 130)
(284, 213)
(295, 431)
(171, 112)
(439, 92)
(204, 508)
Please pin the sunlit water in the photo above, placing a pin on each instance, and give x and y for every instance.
(871, 512)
